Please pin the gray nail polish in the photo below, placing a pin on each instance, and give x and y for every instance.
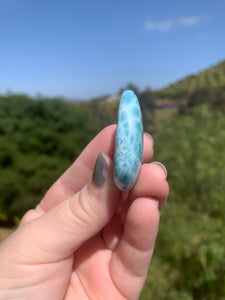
(101, 165)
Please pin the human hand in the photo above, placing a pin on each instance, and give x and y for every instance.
(86, 239)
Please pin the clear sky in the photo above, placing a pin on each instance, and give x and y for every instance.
(81, 49)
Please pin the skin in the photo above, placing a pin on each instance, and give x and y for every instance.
(84, 241)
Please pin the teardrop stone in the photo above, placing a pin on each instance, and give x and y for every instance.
(129, 142)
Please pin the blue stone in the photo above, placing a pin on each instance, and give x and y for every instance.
(128, 143)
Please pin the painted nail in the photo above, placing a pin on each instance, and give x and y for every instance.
(128, 143)
(101, 167)
(162, 166)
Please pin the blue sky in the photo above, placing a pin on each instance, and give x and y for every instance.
(82, 49)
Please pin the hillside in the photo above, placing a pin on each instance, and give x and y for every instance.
(40, 138)
(213, 77)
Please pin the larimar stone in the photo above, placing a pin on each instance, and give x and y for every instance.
(129, 142)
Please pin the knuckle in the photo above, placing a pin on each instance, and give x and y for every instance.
(82, 206)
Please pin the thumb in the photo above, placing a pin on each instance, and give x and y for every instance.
(59, 232)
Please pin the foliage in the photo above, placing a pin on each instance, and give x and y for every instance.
(38, 141)
(189, 260)
(40, 138)
(199, 139)
(103, 110)
(214, 97)
(213, 77)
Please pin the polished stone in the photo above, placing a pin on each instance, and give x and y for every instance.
(129, 142)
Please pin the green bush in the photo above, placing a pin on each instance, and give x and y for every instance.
(39, 139)
(213, 97)
(192, 147)
(189, 261)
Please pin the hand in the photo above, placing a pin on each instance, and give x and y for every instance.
(86, 239)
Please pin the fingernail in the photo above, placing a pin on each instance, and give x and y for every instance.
(100, 169)
(162, 166)
(150, 136)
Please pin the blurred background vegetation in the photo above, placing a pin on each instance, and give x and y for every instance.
(41, 137)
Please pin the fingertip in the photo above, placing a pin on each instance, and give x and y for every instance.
(150, 137)
(148, 143)
(143, 219)
(160, 168)
(110, 129)
(151, 183)
(160, 171)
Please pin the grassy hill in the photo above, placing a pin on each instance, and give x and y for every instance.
(213, 77)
